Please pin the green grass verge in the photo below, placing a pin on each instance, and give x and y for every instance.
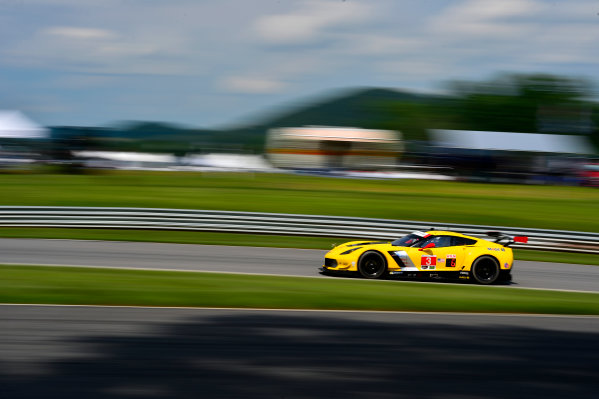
(552, 207)
(174, 236)
(65, 285)
(254, 240)
(556, 257)
(555, 207)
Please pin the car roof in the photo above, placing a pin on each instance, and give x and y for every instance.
(448, 233)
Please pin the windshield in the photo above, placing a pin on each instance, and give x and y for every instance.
(409, 240)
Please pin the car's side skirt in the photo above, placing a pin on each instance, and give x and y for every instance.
(505, 275)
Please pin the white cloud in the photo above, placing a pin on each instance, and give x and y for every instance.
(381, 44)
(78, 33)
(95, 50)
(285, 48)
(252, 85)
(486, 18)
(488, 10)
(565, 44)
(116, 36)
(309, 21)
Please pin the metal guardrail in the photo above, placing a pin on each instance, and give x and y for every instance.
(276, 223)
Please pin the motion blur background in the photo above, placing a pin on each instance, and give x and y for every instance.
(478, 112)
(470, 90)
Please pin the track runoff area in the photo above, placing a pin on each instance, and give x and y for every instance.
(247, 260)
(88, 352)
(126, 351)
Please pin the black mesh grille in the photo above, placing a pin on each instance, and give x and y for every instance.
(330, 262)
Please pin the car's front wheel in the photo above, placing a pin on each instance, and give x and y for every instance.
(372, 265)
(485, 270)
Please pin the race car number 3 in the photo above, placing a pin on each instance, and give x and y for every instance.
(428, 260)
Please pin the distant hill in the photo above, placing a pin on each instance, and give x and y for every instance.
(366, 108)
(371, 108)
(134, 136)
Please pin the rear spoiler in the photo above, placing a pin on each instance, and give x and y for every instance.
(507, 240)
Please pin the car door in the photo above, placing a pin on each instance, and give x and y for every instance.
(450, 258)
(444, 256)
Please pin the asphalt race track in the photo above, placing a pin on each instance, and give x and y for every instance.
(99, 352)
(291, 262)
(128, 352)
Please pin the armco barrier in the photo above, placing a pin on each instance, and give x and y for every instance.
(276, 223)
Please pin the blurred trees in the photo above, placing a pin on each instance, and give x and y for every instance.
(413, 119)
(524, 103)
(130, 136)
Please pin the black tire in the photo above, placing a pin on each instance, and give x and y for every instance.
(485, 270)
(372, 265)
(505, 276)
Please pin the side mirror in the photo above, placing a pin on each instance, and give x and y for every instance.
(427, 246)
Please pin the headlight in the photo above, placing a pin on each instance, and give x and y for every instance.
(349, 251)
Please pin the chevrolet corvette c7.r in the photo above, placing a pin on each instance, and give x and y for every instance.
(434, 254)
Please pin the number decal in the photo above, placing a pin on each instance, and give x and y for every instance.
(451, 260)
(428, 260)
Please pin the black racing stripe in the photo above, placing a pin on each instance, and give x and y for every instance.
(397, 259)
(367, 243)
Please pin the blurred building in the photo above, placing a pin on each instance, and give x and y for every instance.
(153, 161)
(226, 162)
(21, 139)
(506, 156)
(124, 160)
(321, 147)
(511, 142)
(16, 126)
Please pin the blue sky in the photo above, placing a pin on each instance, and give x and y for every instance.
(208, 63)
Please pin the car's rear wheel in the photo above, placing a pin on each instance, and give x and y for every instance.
(372, 265)
(505, 276)
(485, 270)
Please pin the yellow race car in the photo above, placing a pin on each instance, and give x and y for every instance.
(431, 254)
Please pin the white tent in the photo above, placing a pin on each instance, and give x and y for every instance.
(504, 141)
(14, 125)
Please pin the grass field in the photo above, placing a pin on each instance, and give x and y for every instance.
(570, 208)
(56, 285)
(552, 207)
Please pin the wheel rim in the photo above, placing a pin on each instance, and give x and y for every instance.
(486, 272)
(372, 266)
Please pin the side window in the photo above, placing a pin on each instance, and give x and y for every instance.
(459, 241)
(424, 242)
(442, 241)
(439, 241)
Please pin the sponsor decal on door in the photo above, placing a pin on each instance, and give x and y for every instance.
(428, 261)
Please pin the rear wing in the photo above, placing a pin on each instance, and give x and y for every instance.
(507, 240)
